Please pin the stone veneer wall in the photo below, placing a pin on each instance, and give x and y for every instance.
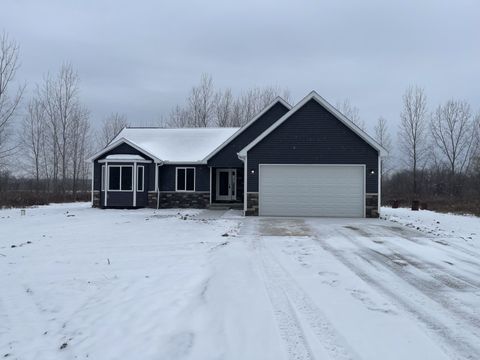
(371, 205)
(96, 198)
(252, 204)
(152, 199)
(194, 200)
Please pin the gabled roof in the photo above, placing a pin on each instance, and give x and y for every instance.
(114, 143)
(314, 96)
(277, 100)
(187, 145)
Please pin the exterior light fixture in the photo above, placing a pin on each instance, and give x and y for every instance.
(372, 172)
(252, 171)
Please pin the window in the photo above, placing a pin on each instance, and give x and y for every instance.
(140, 173)
(114, 178)
(127, 179)
(102, 179)
(120, 178)
(185, 179)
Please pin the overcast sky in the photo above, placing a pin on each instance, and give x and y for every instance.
(142, 57)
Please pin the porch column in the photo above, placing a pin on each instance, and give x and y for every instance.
(135, 184)
(93, 178)
(211, 190)
(105, 186)
(245, 185)
(156, 177)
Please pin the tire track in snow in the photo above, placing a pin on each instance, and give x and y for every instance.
(449, 272)
(436, 241)
(289, 325)
(431, 290)
(449, 339)
(327, 335)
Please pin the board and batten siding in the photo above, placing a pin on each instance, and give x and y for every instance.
(227, 156)
(312, 135)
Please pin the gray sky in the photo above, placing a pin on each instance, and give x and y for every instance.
(142, 57)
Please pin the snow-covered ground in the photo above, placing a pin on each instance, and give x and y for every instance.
(79, 283)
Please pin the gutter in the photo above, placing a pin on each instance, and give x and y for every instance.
(242, 156)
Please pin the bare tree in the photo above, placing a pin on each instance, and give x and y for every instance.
(79, 146)
(223, 108)
(476, 152)
(9, 102)
(254, 100)
(111, 126)
(178, 118)
(413, 130)
(206, 107)
(33, 137)
(384, 139)
(60, 97)
(201, 102)
(453, 132)
(351, 112)
(237, 118)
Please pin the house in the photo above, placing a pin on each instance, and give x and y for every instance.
(306, 160)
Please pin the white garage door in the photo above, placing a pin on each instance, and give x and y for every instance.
(312, 190)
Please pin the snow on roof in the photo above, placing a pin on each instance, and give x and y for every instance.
(124, 157)
(177, 145)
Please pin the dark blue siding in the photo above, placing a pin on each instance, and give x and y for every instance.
(125, 149)
(166, 175)
(120, 198)
(227, 156)
(313, 136)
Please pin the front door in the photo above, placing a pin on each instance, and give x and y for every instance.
(226, 184)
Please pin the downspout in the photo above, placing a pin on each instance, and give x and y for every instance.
(379, 205)
(156, 183)
(107, 181)
(93, 174)
(135, 174)
(243, 158)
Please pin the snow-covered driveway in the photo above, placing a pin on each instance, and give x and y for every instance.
(145, 284)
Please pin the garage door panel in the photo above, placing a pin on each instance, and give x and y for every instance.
(311, 190)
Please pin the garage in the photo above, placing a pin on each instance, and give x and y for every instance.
(312, 190)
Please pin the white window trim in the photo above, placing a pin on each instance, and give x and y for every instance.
(102, 178)
(120, 166)
(143, 178)
(194, 178)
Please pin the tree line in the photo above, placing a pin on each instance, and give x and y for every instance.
(50, 134)
(45, 139)
(206, 106)
(440, 150)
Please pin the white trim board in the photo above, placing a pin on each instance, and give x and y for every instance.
(92, 168)
(277, 100)
(314, 96)
(118, 142)
(143, 178)
(124, 161)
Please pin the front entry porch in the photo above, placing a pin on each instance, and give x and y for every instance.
(227, 185)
